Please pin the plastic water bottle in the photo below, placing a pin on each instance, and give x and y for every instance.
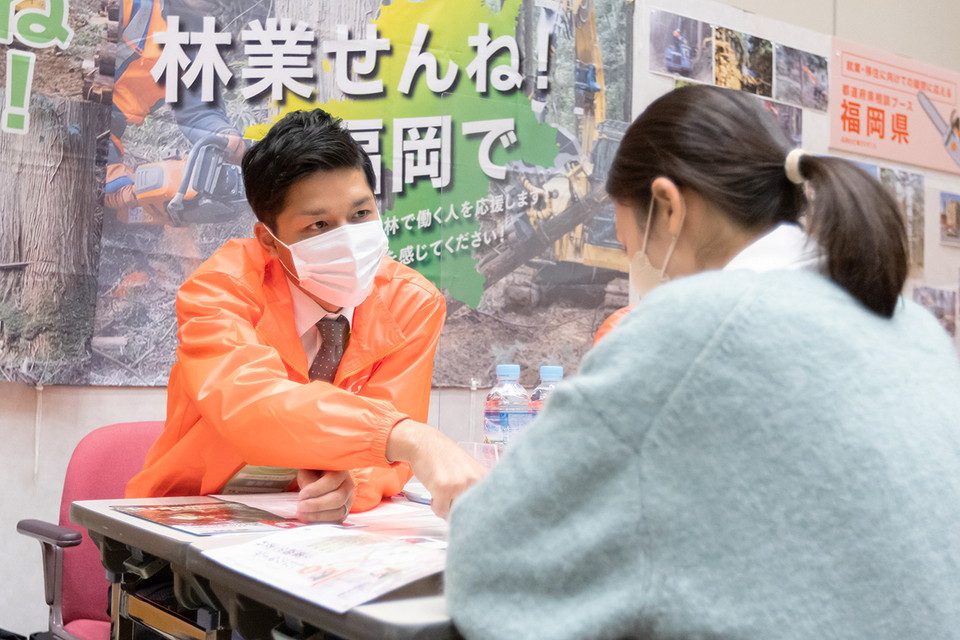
(549, 377)
(507, 408)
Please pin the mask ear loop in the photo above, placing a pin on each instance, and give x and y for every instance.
(646, 233)
(292, 274)
(673, 244)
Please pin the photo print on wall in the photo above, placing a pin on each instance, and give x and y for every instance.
(743, 62)
(801, 78)
(681, 46)
(942, 303)
(950, 219)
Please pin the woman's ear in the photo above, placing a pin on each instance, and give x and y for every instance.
(669, 200)
(629, 232)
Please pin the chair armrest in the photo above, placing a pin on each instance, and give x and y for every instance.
(49, 533)
(53, 539)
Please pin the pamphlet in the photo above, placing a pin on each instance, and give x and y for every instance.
(400, 518)
(282, 504)
(335, 567)
(395, 516)
(207, 518)
(265, 512)
(260, 479)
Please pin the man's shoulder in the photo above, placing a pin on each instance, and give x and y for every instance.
(394, 278)
(237, 258)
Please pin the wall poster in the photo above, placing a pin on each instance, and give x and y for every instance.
(490, 127)
(890, 107)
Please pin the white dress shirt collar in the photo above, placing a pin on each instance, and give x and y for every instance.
(786, 246)
(307, 313)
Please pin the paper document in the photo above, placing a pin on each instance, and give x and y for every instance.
(335, 567)
(280, 504)
(397, 516)
(207, 518)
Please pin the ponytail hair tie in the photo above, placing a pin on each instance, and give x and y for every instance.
(792, 165)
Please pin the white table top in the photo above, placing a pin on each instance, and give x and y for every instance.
(418, 610)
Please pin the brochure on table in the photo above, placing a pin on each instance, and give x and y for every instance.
(397, 516)
(266, 512)
(209, 518)
(335, 566)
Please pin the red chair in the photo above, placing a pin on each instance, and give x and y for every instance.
(75, 583)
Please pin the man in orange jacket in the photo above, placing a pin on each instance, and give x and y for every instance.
(305, 348)
(611, 323)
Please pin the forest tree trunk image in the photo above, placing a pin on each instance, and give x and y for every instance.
(323, 18)
(50, 215)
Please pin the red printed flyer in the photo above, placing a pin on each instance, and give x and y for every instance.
(889, 107)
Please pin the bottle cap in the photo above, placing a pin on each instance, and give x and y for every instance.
(509, 371)
(551, 372)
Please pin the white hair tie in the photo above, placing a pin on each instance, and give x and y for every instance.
(792, 166)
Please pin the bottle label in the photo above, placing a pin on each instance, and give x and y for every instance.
(501, 426)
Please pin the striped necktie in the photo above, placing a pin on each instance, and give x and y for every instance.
(333, 340)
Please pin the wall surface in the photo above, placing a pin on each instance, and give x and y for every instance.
(923, 29)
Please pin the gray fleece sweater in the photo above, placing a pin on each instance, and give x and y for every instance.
(749, 456)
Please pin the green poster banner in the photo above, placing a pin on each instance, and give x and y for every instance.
(490, 126)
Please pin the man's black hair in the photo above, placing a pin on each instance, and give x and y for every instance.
(298, 145)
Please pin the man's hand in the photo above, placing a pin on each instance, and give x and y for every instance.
(325, 496)
(236, 146)
(123, 198)
(445, 469)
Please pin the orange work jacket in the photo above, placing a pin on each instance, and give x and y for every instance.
(239, 392)
(135, 91)
(611, 322)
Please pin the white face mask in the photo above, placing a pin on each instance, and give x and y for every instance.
(337, 266)
(644, 277)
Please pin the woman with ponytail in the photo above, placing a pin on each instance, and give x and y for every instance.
(768, 446)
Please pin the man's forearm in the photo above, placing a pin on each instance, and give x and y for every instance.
(443, 467)
(405, 441)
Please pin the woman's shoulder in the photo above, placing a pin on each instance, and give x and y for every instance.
(702, 302)
(673, 331)
(737, 317)
(733, 285)
(776, 312)
(711, 296)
